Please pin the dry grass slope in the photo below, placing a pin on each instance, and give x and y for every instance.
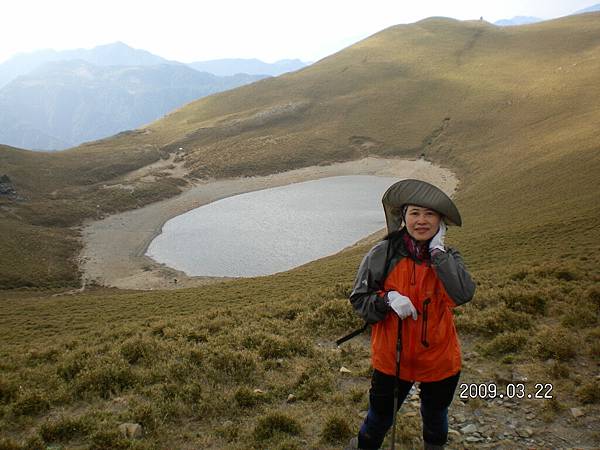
(511, 110)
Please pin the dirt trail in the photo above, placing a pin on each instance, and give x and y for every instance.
(114, 247)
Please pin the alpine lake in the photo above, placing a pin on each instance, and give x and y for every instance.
(272, 230)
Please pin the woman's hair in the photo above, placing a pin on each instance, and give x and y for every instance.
(394, 235)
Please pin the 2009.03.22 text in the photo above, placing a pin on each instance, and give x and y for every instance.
(511, 390)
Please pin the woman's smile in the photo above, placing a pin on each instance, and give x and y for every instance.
(422, 223)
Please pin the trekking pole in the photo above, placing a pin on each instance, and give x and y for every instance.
(397, 380)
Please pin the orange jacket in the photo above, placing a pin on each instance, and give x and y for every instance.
(430, 346)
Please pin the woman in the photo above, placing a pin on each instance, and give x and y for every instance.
(411, 281)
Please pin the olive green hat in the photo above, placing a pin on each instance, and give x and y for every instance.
(419, 193)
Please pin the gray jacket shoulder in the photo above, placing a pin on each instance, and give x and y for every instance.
(450, 268)
(365, 297)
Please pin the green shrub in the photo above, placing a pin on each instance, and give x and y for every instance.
(63, 429)
(556, 343)
(342, 290)
(9, 444)
(144, 413)
(336, 430)
(333, 317)
(160, 329)
(197, 357)
(180, 370)
(232, 365)
(8, 391)
(137, 349)
(251, 340)
(246, 398)
(43, 356)
(580, 316)
(559, 370)
(559, 272)
(170, 391)
(109, 377)
(313, 383)
(109, 440)
(228, 431)
(527, 302)
(550, 409)
(593, 295)
(592, 343)
(35, 443)
(191, 392)
(196, 336)
(493, 320)
(287, 311)
(506, 342)
(565, 275)
(589, 392)
(219, 323)
(30, 404)
(273, 347)
(273, 424)
(519, 275)
(408, 431)
(357, 395)
(72, 365)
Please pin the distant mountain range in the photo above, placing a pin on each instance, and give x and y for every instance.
(116, 54)
(120, 54)
(53, 100)
(589, 9)
(524, 20)
(224, 67)
(62, 104)
(518, 20)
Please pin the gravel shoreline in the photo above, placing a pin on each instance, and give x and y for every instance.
(114, 248)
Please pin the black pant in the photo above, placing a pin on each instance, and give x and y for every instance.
(436, 396)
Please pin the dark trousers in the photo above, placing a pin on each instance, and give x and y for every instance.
(436, 397)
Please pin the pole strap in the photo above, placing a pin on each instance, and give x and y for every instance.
(351, 335)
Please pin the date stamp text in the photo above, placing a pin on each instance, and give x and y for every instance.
(511, 391)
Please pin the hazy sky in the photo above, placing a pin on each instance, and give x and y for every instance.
(193, 30)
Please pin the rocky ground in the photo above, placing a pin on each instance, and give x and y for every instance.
(510, 423)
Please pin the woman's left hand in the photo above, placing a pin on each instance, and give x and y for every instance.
(437, 242)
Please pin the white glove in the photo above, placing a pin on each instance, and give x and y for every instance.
(437, 241)
(401, 305)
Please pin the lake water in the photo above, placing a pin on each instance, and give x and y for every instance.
(273, 230)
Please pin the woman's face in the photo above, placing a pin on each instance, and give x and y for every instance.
(422, 223)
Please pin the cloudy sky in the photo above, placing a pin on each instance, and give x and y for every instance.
(192, 30)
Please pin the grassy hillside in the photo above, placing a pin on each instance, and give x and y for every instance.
(57, 191)
(511, 110)
(215, 367)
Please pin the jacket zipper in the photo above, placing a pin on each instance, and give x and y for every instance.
(424, 323)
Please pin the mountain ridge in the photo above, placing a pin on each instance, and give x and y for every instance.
(119, 53)
(116, 53)
(64, 103)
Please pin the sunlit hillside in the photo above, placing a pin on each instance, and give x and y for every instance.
(513, 111)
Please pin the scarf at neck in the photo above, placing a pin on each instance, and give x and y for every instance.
(418, 250)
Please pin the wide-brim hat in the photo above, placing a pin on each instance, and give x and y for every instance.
(419, 193)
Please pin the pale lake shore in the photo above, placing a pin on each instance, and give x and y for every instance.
(114, 247)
